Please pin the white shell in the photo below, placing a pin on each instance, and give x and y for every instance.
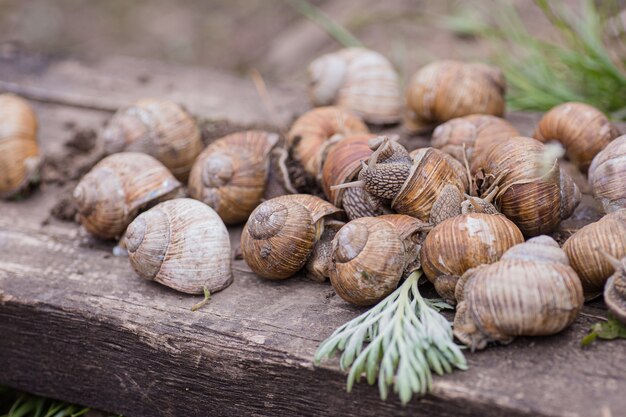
(183, 244)
(359, 80)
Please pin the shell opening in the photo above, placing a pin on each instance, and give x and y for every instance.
(350, 241)
(135, 234)
(84, 198)
(217, 171)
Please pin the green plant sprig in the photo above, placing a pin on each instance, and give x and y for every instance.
(406, 338)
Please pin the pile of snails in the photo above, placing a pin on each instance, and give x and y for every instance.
(460, 210)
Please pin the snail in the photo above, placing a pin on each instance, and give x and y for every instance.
(19, 152)
(534, 191)
(615, 289)
(280, 234)
(358, 80)
(581, 128)
(343, 164)
(110, 195)
(312, 132)
(444, 90)
(531, 291)
(465, 137)
(607, 175)
(160, 128)
(230, 175)
(370, 256)
(318, 264)
(608, 235)
(413, 187)
(463, 242)
(183, 244)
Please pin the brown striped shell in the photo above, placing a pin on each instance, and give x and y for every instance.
(230, 175)
(607, 175)
(280, 234)
(431, 172)
(183, 244)
(160, 128)
(607, 234)
(312, 132)
(531, 291)
(463, 242)
(443, 90)
(581, 128)
(534, 192)
(359, 80)
(19, 152)
(369, 258)
(474, 133)
(110, 195)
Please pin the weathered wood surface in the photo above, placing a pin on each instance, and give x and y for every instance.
(77, 324)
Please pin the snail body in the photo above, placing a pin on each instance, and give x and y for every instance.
(546, 291)
(446, 89)
(280, 234)
(581, 128)
(463, 242)
(110, 195)
(230, 175)
(19, 152)
(608, 235)
(359, 80)
(615, 289)
(312, 132)
(607, 175)
(183, 244)
(534, 191)
(370, 257)
(160, 128)
(465, 137)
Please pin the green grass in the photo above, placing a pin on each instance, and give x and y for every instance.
(583, 64)
(15, 403)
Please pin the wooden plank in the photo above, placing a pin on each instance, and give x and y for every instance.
(77, 324)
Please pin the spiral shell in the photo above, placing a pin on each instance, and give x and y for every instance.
(182, 244)
(358, 80)
(230, 175)
(581, 128)
(534, 191)
(475, 133)
(607, 175)
(19, 153)
(463, 242)
(160, 128)
(607, 234)
(443, 90)
(369, 258)
(531, 291)
(110, 195)
(314, 130)
(280, 234)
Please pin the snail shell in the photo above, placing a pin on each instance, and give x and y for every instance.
(160, 128)
(359, 80)
(230, 175)
(463, 242)
(110, 195)
(446, 89)
(183, 244)
(607, 175)
(281, 233)
(607, 234)
(318, 265)
(369, 258)
(343, 164)
(534, 191)
(615, 290)
(531, 291)
(315, 129)
(581, 128)
(475, 133)
(19, 153)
